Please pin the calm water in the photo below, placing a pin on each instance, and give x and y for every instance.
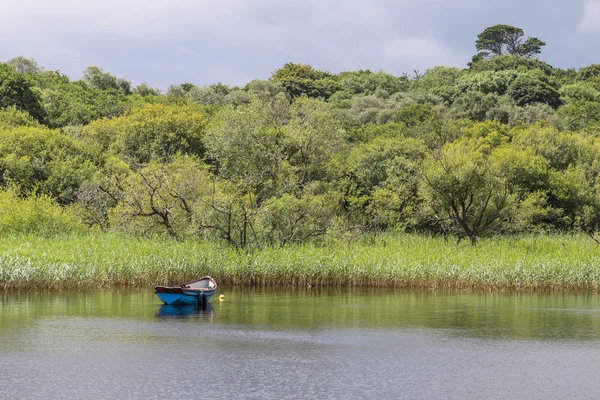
(302, 344)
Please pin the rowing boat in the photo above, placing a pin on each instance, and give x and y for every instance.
(198, 292)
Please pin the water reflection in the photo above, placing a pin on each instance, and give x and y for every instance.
(520, 315)
(294, 344)
(187, 311)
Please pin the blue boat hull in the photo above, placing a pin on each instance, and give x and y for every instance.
(183, 298)
(188, 293)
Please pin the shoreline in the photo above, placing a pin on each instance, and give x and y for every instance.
(102, 261)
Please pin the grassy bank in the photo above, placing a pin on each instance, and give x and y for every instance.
(104, 260)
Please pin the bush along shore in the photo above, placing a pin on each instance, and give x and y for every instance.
(86, 261)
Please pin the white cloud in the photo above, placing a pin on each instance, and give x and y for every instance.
(118, 16)
(590, 21)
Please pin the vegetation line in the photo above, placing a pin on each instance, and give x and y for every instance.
(307, 178)
(410, 261)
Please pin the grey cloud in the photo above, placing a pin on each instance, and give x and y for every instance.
(234, 41)
(590, 20)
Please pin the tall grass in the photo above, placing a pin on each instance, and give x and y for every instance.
(105, 260)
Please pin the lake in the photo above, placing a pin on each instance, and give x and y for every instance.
(301, 344)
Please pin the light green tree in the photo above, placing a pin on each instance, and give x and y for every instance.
(161, 198)
(464, 193)
(153, 132)
(248, 146)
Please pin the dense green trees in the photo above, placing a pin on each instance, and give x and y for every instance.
(16, 90)
(95, 77)
(150, 132)
(43, 161)
(508, 145)
(298, 79)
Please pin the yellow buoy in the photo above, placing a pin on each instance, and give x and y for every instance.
(221, 298)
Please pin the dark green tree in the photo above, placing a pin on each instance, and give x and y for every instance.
(534, 87)
(505, 39)
(510, 62)
(16, 90)
(300, 79)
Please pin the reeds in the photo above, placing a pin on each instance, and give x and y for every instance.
(107, 260)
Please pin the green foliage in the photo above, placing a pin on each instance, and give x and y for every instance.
(589, 73)
(17, 91)
(298, 79)
(534, 87)
(218, 94)
(248, 144)
(382, 178)
(505, 39)
(37, 214)
(530, 114)
(523, 170)
(464, 193)
(289, 219)
(74, 103)
(102, 193)
(24, 65)
(312, 138)
(565, 76)
(163, 198)
(485, 136)
(206, 95)
(264, 90)
(508, 145)
(43, 161)
(570, 192)
(435, 78)
(414, 114)
(150, 132)
(98, 79)
(510, 62)
(144, 90)
(368, 82)
(476, 105)
(579, 114)
(371, 109)
(373, 164)
(579, 92)
(12, 117)
(560, 149)
(486, 82)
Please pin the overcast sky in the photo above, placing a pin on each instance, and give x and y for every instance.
(165, 42)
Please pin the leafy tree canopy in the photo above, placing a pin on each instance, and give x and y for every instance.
(25, 65)
(299, 79)
(511, 62)
(17, 91)
(150, 132)
(505, 39)
(95, 77)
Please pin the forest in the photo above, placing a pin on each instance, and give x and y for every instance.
(507, 145)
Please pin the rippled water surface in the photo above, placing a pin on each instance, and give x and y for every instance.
(301, 344)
